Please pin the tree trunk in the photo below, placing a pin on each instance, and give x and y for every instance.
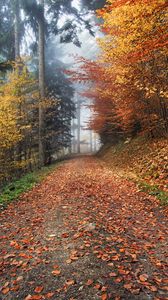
(91, 141)
(41, 48)
(73, 136)
(17, 28)
(79, 124)
(95, 142)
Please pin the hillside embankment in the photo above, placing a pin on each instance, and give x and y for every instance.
(141, 160)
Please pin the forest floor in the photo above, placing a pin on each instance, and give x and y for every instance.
(84, 233)
(144, 161)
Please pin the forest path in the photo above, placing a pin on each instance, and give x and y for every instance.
(84, 234)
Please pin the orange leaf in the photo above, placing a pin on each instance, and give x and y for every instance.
(28, 297)
(89, 282)
(118, 280)
(104, 296)
(72, 257)
(70, 282)
(112, 274)
(116, 257)
(55, 267)
(49, 295)
(34, 297)
(15, 288)
(128, 286)
(152, 288)
(5, 291)
(56, 272)
(38, 289)
(143, 277)
(97, 286)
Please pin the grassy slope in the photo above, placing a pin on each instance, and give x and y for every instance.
(143, 161)
(14, 189)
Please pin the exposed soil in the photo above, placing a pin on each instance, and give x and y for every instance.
(84, 234)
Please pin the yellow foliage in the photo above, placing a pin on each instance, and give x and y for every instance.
(18, 97)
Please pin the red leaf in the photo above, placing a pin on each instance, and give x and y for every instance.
(89, 282)
(65, 235)
(49, 295)
(39, 289)
(97, 286)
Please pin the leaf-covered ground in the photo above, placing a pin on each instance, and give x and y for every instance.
(140, 159)
(84, 234)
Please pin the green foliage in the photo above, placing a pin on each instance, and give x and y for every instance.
(58, 117)
(154, 191)
(93, 5)
(6, 30)
(14, 189)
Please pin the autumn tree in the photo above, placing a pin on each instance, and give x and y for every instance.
(129, 77)
(18, 100)
(135, 48)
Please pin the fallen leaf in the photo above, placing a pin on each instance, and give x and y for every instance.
(65, 235)
(36, 297)
(5, 290)
(70, 282)
(152, 288)
(9, 256)
(89, 282)
(97, 286)
(118, 280)
(143, 277)
(39, 289)
(20, 278)
(68, 261)
(128, 286)
(29, 297)
(56, 272)
(112, 274)
(104, 296)
(104, 289)
(49, 295)
(15, 288)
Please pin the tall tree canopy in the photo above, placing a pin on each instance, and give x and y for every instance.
(129, 78)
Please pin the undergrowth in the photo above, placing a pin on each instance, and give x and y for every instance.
(143, 161)
(155, 191)
(14, 189)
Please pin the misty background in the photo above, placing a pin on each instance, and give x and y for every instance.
(62, 55)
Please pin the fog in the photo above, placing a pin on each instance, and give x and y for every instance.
(89, 49)
(63, 54)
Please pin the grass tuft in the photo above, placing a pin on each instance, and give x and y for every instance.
(155, 191)
(15, 188)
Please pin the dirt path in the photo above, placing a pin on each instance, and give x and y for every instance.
(84, 234)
